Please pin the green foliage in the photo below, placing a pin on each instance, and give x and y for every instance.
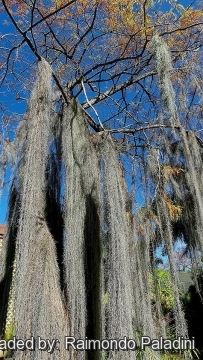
(186, 354)
(163, 281)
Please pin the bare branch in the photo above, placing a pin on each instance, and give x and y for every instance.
(115, 89)
(143, 128)
(49, 15)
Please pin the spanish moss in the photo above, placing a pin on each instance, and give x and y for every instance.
(82, 253)
(119, 283)
(79, 257)
(164, 68)
(36, 254)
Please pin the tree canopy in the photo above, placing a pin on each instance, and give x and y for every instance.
(105, 50)
(102, 54)
(105, 164)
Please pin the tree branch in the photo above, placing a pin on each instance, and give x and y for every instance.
(143, 128)
(49, 15)
(180, 29)
(117, 88)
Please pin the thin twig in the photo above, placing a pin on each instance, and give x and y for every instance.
(95, 111)
(143, 128)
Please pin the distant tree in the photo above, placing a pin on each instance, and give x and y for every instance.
(182, 260)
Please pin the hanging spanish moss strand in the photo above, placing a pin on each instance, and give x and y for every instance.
(149, 319)
(9, 328)
(165, 214)
(154, 167)
(188, 192)
(82, 256)
(145, 322)
(48, 316)
(167, 238)
(119, 282)
(54, 204)
(3, 253)
(6, 157)
(8, 269)
(145, 262)
(10, 151)
(164, 68)
(194, 179)
(10, 315)
(159, 319)
(36, 254)
(140, 267)
(10, 155)
(187, 188)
